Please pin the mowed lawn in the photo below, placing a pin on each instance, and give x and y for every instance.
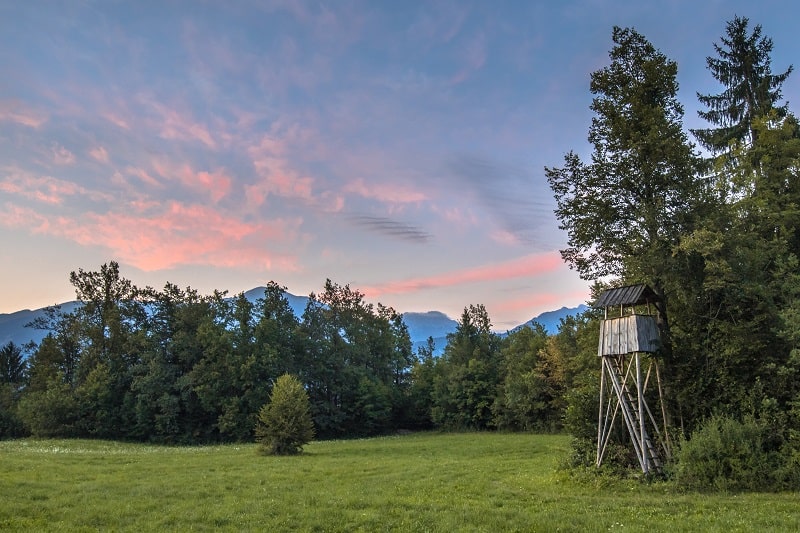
(418, 482)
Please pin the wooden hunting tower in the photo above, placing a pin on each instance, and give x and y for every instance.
(624, 336)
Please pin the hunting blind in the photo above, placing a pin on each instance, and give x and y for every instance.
(626, 339)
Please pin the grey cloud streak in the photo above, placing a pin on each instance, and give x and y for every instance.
(508, 193)
(391, 228)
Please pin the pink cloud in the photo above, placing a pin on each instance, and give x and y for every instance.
(16, 112)
(62, 156)
(176, 126)
(385, 192)
(153, 237)
(273, 167)
(527, 266)
(144, 176)
(504, 237)
(457, 216)
(13, 216)
(116, 120)
(45, 189)
(100, 154)
(330, 202)
(216, 184)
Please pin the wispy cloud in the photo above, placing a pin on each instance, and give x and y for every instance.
(216, 184)
(527, 266)
(62, 156)
(99, 153)
(389, 193)
(144, 176)
(45, 189)
(441, 23)
(154, 237)
(474, 55)
(13, 111)
(390, 228)
(175, 125)
(274, 169)
(507, 194)
(15, 216)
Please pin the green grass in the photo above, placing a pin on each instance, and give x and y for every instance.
(419, 482)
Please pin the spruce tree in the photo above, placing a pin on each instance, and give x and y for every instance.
(284, 424)
(750, 89)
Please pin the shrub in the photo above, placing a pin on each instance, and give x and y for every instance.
(284, 423)
(52, 412)
(10, 423)
(728, 455)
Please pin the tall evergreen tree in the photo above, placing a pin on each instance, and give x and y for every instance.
(750, 88)
(467, 376)
(12, 365)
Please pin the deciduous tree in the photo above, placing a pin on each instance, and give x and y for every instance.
(625, 211)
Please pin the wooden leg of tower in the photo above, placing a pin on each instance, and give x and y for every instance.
(600, 418)
(640, 400)
(667, 443)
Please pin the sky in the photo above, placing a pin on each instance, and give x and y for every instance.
(398, 147)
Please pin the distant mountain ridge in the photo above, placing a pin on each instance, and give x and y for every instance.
(551, 320)
(421, 326)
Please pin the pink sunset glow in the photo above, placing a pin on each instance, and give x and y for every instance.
(184, 235)
(527, 266)
(398, 147)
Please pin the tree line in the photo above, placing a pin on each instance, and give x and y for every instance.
(178, 367)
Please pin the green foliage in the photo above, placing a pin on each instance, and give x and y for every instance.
(11, 424)
(718, 243)
(468, 374)
(627, 209)
(420, 396)
(751, 90)
(623, 210)
(12, 365)
(284, 424)
(355, 359)
(532, 383)
(52, 412)
(728, 455)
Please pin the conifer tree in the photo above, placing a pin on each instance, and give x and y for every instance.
(750, 89)
(12, 365)
(284, 423)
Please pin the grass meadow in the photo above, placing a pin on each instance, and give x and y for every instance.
(417, 482)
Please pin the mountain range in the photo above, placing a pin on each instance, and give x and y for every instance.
(433, 324)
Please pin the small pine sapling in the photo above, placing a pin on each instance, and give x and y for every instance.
(284, 423)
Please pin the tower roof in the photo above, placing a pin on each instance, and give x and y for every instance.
(628, 295)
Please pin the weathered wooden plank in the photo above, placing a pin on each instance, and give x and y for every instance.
(628, 334)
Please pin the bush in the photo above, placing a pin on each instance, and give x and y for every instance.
(728, 455)
(284, 423)
(52, 412)
(10, 423)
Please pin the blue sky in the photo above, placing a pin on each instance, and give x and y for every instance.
(394, 146)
